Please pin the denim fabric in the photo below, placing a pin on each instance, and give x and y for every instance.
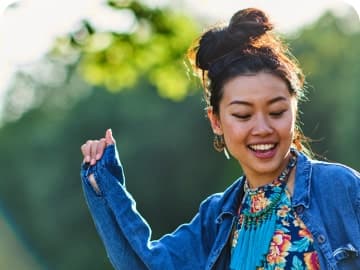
(326, 197)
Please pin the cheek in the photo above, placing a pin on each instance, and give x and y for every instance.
(228, 124)
(293, 121)
(234, 131)
(287, 126)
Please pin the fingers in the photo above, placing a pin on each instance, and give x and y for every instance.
(85, 149)
(100, 149)
(109, 139)
(93, 150)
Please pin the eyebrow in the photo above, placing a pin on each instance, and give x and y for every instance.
(271, 101)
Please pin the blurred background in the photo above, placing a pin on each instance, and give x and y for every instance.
(71, 69)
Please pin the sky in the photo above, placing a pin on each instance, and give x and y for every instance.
(28, 27)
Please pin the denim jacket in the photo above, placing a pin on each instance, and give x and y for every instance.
(326, 197)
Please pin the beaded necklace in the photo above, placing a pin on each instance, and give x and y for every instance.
(255, 230)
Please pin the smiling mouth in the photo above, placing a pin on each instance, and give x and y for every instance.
(262, 147)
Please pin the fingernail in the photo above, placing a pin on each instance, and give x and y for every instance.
(87, 159)
(93, 161)
(98, 156)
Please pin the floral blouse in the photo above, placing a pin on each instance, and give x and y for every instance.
(291, 247)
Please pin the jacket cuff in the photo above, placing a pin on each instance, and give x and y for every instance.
(110, 161)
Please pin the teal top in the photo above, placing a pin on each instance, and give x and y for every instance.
(290, 244)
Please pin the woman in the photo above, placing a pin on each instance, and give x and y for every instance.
(286, 212)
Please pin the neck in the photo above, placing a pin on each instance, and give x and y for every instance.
(259, 180)
(256, 180)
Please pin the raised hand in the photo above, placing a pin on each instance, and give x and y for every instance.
(93, 150)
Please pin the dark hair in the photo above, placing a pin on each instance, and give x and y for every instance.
(247, 45)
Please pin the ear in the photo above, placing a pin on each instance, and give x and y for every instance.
(214, 121)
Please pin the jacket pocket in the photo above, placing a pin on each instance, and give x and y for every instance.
(347, 257)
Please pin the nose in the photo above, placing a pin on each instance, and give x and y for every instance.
(262, 126)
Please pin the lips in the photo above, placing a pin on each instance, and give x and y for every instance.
(262, 147)
(264, 150)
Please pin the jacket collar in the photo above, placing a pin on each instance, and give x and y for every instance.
(233, 195)
(302, 185)
(231, 199)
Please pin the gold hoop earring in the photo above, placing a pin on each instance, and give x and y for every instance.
(297, 142)
(219, 145)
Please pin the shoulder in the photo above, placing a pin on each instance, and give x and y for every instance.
(225, 201)
(325, 180)
(325, 172)
(336, 180)
(330, 171)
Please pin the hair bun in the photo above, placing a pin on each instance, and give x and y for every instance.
(210, 47)
(245, 27)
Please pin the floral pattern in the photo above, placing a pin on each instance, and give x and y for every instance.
(291, 247)
(279, 248)
(259, 202)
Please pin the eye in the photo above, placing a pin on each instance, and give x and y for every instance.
(241, 116)
(278, 113)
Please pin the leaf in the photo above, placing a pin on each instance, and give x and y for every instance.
(300, 245)
(297, 264)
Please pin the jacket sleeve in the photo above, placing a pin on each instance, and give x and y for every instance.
(127, 236)
(357, 188)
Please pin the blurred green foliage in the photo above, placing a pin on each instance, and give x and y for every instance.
(166, 146)
(328, 52)
(153, 47)
(13, 244)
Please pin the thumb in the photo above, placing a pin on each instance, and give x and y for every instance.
(109, 139)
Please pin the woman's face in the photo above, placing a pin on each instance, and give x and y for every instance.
(257, 119)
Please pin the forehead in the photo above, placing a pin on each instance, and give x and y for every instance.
(255, 87)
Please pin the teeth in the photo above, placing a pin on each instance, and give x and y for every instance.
(261, 147)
